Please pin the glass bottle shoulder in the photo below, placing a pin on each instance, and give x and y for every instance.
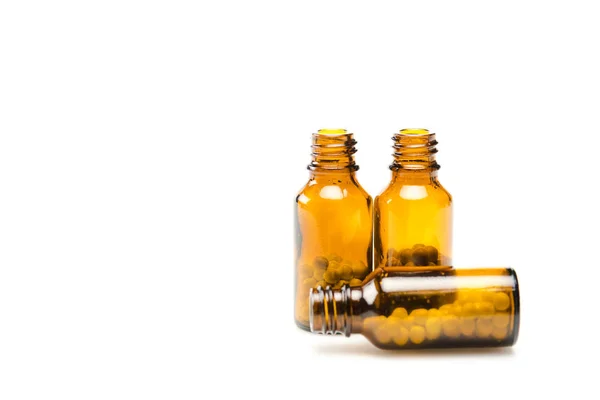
(401, 191)
(330, 189)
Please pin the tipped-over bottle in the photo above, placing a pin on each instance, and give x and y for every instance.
(403, 308)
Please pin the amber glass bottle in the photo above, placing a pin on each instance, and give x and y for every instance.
(400, 307)
(413, 215)
(333, 221)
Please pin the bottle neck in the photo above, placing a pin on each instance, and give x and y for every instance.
(341, 177)
(333, 153)
(332, 311)
(408, 177)
(414, 154)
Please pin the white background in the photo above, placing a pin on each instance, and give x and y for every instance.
(150, 152)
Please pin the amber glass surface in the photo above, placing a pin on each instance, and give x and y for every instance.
(408, 308)
(333, 221)
(413, 215)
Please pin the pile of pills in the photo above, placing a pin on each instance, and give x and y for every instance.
(476, 314)
(331, 270)
(419, 256)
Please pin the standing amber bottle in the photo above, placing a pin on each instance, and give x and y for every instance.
(333, 221)
(413, 215)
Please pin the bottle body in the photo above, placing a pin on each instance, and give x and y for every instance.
(333, 222)
(413, 215)
(438, 308)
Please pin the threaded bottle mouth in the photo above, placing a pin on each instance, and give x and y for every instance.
(315, 310)
(333, 150)
(329, 310)
(414, 149)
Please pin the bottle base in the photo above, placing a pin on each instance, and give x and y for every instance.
(302, 326)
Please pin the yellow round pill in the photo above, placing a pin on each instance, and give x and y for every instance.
(400, 312)
(331, 276)
(320, 262)
(417, 334)
(400, 336)
(433, 328)
(501, 320)
(334, 266)
(456, 310)
(484, 309)
(420, 316)
(383, 334)
(346, 272)
(468, 310)
(499, 333)
(451, 326)
(501, 301)
(360, 269)
(334, 257)
(467, 326)
(434, 312)
(484, 328)
(408, 322)
(446, 309)
(393, 324)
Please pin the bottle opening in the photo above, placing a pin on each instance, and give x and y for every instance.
(332, 132)
(333, 150)
(329, 310)
(414, 149)
(414, 131)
